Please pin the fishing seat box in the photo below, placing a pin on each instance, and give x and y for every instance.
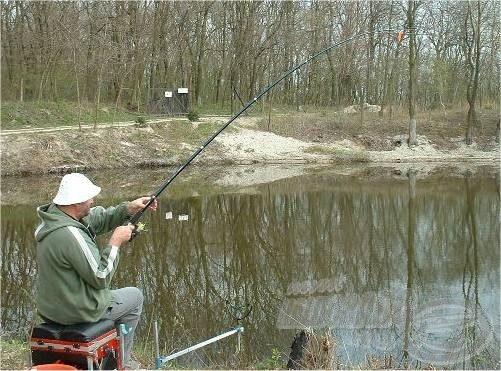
(85, 346)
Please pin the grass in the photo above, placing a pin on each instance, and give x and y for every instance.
(16, 115)
(33, 114)
(182, 131)
(314, 123)
(376, 132)
(273, 362)
(217, 109)
(339, 154)
(14, 354)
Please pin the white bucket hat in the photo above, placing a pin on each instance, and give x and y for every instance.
(74, 189)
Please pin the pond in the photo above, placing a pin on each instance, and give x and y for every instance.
(388, 264)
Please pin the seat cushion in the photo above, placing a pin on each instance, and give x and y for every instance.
(81, 332)
(85, 332)
(47, 331)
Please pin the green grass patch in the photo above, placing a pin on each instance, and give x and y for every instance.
(343, 155)
(212, 109)
(323, 150)
(182, 131)
(18, 115)
(273, 362)
(14, 354)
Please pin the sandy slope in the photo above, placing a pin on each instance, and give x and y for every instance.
(289, 156)
(248, 144)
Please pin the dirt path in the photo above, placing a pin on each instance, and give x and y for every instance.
(103, 125)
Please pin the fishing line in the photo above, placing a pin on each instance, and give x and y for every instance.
(138, 227)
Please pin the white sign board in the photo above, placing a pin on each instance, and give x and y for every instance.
(168, 94)
(182, 90)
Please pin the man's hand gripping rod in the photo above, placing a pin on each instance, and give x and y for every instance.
(134, 220)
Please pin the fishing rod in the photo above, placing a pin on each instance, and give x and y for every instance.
(138, 227)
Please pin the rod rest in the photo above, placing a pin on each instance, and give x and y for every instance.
(81, 332)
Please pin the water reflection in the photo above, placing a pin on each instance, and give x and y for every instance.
(382, 263)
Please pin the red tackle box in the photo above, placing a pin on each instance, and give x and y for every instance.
(86, 346)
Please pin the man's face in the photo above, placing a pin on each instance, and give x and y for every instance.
(83, 208)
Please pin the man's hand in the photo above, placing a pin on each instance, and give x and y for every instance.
(136, 205)
(121, 234)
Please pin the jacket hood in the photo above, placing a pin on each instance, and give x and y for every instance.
(51, 219)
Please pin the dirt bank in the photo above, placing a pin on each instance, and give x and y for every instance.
(167, 143)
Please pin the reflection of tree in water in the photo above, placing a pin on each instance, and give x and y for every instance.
(470, 283)
(18, 269)
(243, 249)
(430, 344)
(411, 236)
(470, 274)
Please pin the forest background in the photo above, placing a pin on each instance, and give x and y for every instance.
(132, 51)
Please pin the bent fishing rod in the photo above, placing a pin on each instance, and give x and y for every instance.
(138, 227)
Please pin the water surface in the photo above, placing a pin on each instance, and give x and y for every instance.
(401, 265)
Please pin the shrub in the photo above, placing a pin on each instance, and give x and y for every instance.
(274, 362)
(141, 121)
(193, 115)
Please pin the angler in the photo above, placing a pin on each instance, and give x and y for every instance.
(74, 275)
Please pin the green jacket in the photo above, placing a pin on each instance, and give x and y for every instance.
(74, 275)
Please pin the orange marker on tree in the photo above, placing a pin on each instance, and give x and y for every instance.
(400, 36)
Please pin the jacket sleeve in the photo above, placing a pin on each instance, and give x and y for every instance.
(103, 220)
(94, 267)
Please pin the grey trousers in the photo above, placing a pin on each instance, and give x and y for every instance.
(126, 305)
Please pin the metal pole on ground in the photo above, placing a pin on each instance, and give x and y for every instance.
(159, 361)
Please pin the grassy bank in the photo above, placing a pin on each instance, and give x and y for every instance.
(159, 144)
(16, 115)
(374, 132)
(15, 356)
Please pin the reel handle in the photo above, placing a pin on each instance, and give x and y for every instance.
(138, 228)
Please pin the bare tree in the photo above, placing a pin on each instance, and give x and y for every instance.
(412, 7)
(390, 64)
(471, 49)
(223, 49)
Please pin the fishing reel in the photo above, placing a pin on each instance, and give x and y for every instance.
(138, 228)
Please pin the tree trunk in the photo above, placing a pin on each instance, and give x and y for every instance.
(388, 70)
(201, 39)
(98, 98)
(21, 90)
(473, 62)
(497, 130)
(154, 37)
(411, 16)
(78, 88)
